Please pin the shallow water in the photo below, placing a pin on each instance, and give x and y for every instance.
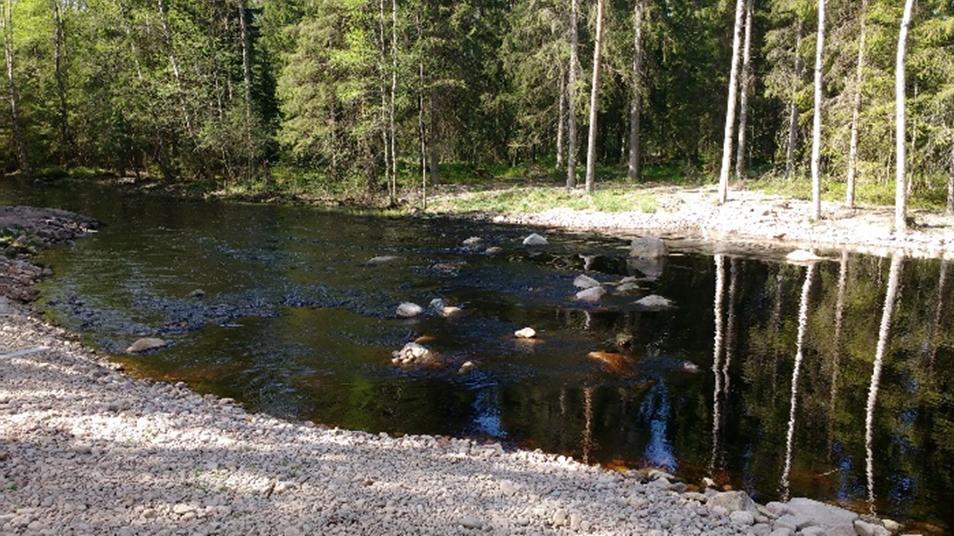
(294, 324)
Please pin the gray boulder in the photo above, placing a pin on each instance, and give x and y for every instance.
(413, 354)
(535, 240)
(733, 501)
(146, 344)
(585, 281)
(648, 247)
(836, 521)
(591, 295)
(409, 310)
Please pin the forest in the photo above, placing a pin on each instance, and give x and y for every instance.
(387, 96)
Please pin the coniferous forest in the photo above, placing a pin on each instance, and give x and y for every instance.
(390, 94)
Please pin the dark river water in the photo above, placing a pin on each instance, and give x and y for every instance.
(294, 324)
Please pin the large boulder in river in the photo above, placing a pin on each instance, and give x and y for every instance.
(413, 354)
(409, 310)
(535, 240)
(591, 295)
(648, 247)
(146, 344)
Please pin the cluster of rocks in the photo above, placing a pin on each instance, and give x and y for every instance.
(23, 232)
(648, 251)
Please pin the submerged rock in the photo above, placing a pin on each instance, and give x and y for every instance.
(625, 288)
(409, 310)
(648, 247)
(197, 293)
(146, 344)
(413, 354)
(585, 282)
(591, 295)
(382, 259)
(467, 367)
(655, 302)
(525, 333)
(615, 363)
(493, 250)
(535, 240)
(474, 242)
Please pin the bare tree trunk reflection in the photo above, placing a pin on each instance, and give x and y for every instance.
(716, 360)
(836, 346)
(897, 262)
(796, 371)
(730, 323)
(587, 446)
(930, 345)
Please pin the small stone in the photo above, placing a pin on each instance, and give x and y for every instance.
(585, 282)
(535, 240)
(813, 531)
(575, 522)
(470, 522)
(891, 525)
(559, 518)
(409, 310)
(742, 517)
(197, 293)
(466, 367)
(654, 302)
(493, 250)
(474, 242)
(525, 333)
(146, 344)
(733, 501)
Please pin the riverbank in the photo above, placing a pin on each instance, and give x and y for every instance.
(87, 449)
(750, 219)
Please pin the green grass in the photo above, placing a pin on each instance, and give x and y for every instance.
(541, 198)
(930, 194)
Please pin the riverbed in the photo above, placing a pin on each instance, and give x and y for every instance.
(293, 321)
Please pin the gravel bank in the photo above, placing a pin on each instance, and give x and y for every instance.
(85, 449)
(748, 218)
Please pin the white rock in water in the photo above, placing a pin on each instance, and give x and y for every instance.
(654, 301)
(412, 354)
(525, 333)
(627, 287)
(493, 250)
(409, 310)
(450, 310)
(466, 367)
(473, 242)
(648, 247)
(591, 295)
(535, 240)
(801, 255)
(381, 259)
(146, 344)
(585, 281)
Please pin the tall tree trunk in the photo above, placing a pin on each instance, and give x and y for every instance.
(728, 134)
(746, 90)
(901, 198)
(571, 91)
(247, 86)
(594, 99)
(856, 110)
(382, 49)
(19, 143)
(817, 119)
(796, 372)
(950, 183)
(636, 102)
(897, 261)
(793, 105)
(433, 156)
(394, 65)
(561, 119)
(59, 39)
(423, 134)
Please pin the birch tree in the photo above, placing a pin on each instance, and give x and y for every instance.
(793, 104)
(13, 98)
(817, 116)
(856, 109)
(636, 98)
(730, 104)
(594, 100)
(571, 101)
(900, 196)
(745, 91)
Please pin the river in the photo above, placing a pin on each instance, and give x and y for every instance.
(295, 323)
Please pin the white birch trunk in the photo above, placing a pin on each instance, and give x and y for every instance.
(594, 100)
(635, 107)
(561, 116)
(571, 91)
(391, 127)
(729, 133)
(793, 106)
(746, 90)
(900, 97)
